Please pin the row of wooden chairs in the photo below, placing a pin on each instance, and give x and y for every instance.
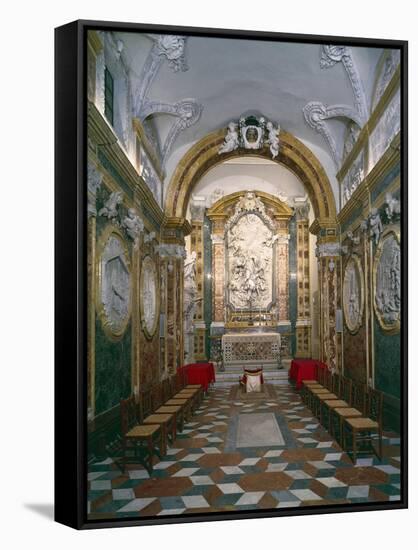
(151, 420)
(350, 411)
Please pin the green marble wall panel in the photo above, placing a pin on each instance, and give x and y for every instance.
(385, 182)
(357, 213)
(387, 361)
(105, 162)
(113, 369)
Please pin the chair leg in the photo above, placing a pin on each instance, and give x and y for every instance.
(123, 455)
(380, 442)
(354, 446)
(342, 434)
(150, 445)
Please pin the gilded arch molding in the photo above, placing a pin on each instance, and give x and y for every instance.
(293, 154)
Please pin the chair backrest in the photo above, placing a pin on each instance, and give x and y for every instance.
(173, 385)
(178, 382)
(128, 414)
(345, 392)
(183, 377)
(156, 396)
(335, 383)
(165, 389)
(358, 400)
(322, 375)
(375, 405)
(145, 404)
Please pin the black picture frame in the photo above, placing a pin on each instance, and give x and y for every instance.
(71, 261)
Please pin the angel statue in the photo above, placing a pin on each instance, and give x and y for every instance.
(110, 208)
(133, 224)
(273, 139)
(231, 141)
(375, 225)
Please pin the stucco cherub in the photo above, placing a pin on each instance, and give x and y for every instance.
(133, 224)
(273, 139)
(231, 141)
(110, 208)
(375, 225)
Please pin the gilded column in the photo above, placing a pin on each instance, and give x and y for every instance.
(197, 210)
(218, 271)
(282, 276)
(173, 252)
(303, 320)
(329, 264)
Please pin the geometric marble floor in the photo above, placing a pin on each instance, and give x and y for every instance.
(211, 468)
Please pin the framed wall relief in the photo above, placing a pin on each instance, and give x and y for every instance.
(231, 292)
(115, 285)
(353, 294)
(149, 293)
(387, 281)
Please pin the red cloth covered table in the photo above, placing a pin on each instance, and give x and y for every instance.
(200, 373)
(304, 369)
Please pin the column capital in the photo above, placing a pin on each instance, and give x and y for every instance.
(324, 228)
(328, 249)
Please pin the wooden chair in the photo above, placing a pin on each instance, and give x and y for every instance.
(143, 440)
(364, 429)
(184, 401)
(344, 400)
(167, 421)
(334, 393)
(184, 391)
(310, 384)
(159, 407)
(357, 409)
(314, 391)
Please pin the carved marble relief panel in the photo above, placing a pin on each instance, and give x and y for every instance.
(353, 294)
(387, 282)
(250, 251)
(115, 292)
(149, 296)
(387, 128)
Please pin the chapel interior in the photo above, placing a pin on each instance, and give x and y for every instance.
(244, 261)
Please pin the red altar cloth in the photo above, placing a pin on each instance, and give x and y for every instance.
(200, 373)
(304, 369)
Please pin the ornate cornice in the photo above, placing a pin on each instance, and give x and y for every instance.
(363, 138)
(360, 197)
(280, 209)
(103, 139)
(146, 144)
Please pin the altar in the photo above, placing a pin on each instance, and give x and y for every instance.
(251, 349)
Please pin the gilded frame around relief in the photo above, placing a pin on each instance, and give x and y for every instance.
(354, 260)
(390, 232)
(113, 333)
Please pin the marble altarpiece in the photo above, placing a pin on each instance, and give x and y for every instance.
(250, 266)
